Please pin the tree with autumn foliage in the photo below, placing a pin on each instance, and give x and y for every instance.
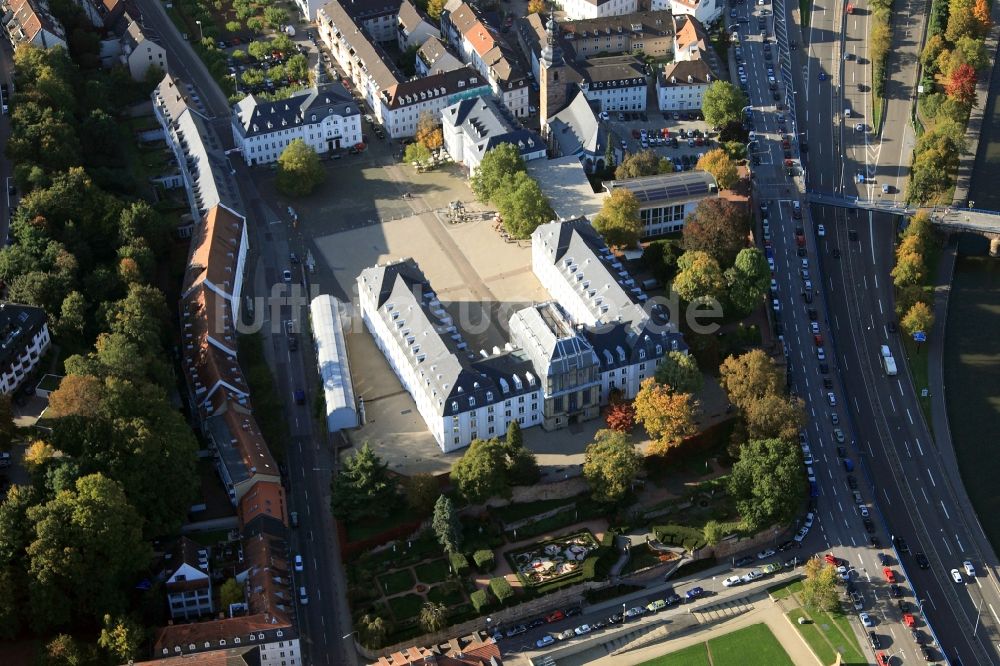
(429, 132)
(981, 11)
(962, 84)
(668, 417)
(718, 163)
(536, 6)
(620, 416)
(920, 317)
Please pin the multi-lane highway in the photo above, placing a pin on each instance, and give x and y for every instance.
(916, 494)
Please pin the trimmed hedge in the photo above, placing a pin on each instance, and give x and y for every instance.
(484, 560)
(480, 600)
(501, 589)
(459, 563)
(677, 535)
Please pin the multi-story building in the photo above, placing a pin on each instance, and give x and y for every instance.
(577, 130)
(706, 11)
(474, 126)
(690, 41)
(397, 102)
(102, 13)
(30, 22)
(628, 334)
(616, 83)
(414, 27)
(681, 85)
(204, 168)
(666, 200)
(24, 338)
(434, 58)
(481, 46)
(460, 394)
(589, 9)
(325, 117)
(565, 358)
(647, 32)
(379, 18)
(138, 53)
(187, 580)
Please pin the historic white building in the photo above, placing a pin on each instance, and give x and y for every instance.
(473, 127)
(706, 11)
(326, 117)
(24, 339)
(565, 358)
(681, 85)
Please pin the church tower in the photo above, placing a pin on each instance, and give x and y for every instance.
(552, 72)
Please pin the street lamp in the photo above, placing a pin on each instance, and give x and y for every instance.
(346, 636)
(201, 33)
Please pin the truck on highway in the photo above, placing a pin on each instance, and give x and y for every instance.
(888, 362)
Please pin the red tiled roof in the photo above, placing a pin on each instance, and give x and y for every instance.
(197, 634)
(265, 498)
(215, 250)
(269, 579)
(473, 654)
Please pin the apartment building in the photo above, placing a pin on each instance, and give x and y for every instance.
(138, 53)
(414, 26)
(24, 339)
(325, 117)
(706, 11)
(187, 580)
(30, 22)
(480, 45)
(648, 32)
(434, 58)
(682, 84)
(615, 83)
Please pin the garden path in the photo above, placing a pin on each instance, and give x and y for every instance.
(596, 527)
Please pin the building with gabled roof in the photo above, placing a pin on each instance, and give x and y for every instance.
(682, 84)
(102, 13)
(415, 27)
(265, 498)
(243, 456)
(463, 651)
(276, 640)
(205, 170)
(31, 22)
(616, 83)
(645, 31)
(136, 51)
(434, 58)
(600, 335)
(472, 127)
(187, 580)
(403, 104)
(706, 11)
(325, 117)
(691, 42)
(577, 130)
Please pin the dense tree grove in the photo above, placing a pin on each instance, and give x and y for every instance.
(75, 541)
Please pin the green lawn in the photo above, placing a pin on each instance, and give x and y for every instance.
(828, 633)
(396, 582)
(432, 572)
(694, 655)
(406, 607)
(785, 589)
(753, 646)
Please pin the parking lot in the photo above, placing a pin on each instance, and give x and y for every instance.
(674, 123)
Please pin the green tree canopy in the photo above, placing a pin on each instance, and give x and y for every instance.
(680, 372)
(748, 280)
(618, 220)
(610, 465)
(749, 377)
(699, 277)
(498, 164)
(299, 170)
(522, 205)
(637, 164)
(364, 488)
(522, 467)
(821, 587)
(479, 473)
(767, 482)
(723, 103)
(446, 526)
(86, 553)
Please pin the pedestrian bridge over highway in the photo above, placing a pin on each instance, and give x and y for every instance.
(986, 222)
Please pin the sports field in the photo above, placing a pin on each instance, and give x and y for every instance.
(752, 646)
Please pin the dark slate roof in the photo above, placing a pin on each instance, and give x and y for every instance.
(489, 123)
(255, 117)
(18, 325)
(368, 9)
(687, 73)
(621, 71)
(456, 378)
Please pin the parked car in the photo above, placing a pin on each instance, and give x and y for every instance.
(637, 611)
(582, 629)
(555, 616)
(545, 641)
(694, 593)
(732, 581)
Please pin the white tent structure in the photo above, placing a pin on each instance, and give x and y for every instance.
(331, 358)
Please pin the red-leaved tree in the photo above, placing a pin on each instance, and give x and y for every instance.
(621, 417)
(962, 84)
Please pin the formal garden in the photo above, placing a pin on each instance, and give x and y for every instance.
(423, 553)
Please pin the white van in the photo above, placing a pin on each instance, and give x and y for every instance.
(303, 596)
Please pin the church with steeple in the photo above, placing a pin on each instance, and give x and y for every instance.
(553, 80)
